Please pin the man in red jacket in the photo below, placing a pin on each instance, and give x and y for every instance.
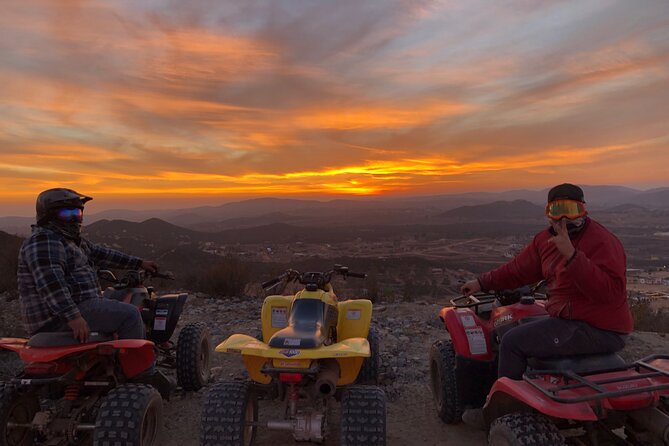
(584, 265)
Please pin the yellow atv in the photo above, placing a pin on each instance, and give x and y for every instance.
(312, 350)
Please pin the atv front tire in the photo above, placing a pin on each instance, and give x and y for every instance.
(130, 414)
(16, 407)
(444, 385)
(369, 372)
(227, 413)
(363, 416)
(193, 351)
(519, 429)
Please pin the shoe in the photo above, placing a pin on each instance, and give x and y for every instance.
(474, 418)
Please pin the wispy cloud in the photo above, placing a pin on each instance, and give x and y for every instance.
(262, 97)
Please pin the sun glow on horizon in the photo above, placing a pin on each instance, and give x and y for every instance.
(133, 100)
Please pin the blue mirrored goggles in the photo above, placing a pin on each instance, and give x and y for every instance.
(70, 214)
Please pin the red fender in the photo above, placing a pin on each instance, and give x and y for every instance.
(507, 390)
(135, 355)
(470, 337)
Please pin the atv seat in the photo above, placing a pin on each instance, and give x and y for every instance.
(298, 336)
(309, 325)
(64, 338)
(579, 363)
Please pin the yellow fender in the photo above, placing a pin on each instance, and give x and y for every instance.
(350, 353)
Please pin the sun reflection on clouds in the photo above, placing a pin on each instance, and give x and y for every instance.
(233, 99)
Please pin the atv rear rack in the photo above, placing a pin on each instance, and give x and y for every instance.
(642, 367)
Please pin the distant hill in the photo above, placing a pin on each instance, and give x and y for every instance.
(498, 210)
(363, 211)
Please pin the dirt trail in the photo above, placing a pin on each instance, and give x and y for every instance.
(407, 330)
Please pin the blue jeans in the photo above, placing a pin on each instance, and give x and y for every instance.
(112, 316)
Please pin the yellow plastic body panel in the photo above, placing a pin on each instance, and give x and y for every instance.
(355, 316)
(350, 354)
(326, 296)
(274, 315)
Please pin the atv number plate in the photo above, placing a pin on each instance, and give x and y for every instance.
(160, 323)
(292, 364)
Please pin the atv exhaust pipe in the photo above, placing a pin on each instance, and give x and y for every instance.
(326, 380)
(653, 420)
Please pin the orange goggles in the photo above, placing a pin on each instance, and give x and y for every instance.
(557, 209)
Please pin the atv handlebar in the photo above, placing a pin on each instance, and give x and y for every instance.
(318, 279)
(505, 297)
(133, 278)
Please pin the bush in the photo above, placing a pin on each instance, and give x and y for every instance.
(228, 277)
(9, 254)
(647, 319)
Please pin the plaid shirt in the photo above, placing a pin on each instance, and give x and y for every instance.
(55, 274)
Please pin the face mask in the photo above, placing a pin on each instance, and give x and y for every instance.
(69, 229)
(574, 226)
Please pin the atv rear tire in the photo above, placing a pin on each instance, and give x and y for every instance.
(519, 429)
(363, 416)
(19, 408)
(227, 410)
(444, 384)
(130, 414)
(369, 372)
(193, 352)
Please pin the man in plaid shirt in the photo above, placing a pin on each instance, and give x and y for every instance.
(58, 284)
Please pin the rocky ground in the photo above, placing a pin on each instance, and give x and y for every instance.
(407, 330)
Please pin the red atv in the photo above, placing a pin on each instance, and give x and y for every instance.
(588, 399)
(74, 394)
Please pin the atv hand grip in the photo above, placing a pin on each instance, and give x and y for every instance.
(357, 275)
(270, 283)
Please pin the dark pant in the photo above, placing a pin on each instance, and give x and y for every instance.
(110, 316)
(550, 338)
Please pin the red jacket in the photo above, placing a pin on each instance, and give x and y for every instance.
(592, 288)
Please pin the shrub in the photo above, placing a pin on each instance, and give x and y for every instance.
(647, 319)
(228, 277)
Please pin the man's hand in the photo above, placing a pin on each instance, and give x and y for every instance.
(561, 240)
(80, 329)
(471, 287)
(149, 265)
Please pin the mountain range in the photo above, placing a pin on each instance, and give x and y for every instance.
(438, 209)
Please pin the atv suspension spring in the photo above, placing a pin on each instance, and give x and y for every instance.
(72, 392)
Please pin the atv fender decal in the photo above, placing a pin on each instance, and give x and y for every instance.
(292, 342)
(290, 352)
(279, 317)
(353, 315)
(476, 341)
(467, 320)
(504, 319)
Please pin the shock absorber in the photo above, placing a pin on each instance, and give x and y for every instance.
(72, 392)
(293, 398)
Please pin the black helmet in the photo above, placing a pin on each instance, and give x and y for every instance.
(53, 199)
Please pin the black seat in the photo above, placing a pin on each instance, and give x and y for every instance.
(64, 339)
(298, 336)
(578, 364)
(305, 326)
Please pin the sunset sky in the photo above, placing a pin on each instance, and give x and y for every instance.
(182, 103)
